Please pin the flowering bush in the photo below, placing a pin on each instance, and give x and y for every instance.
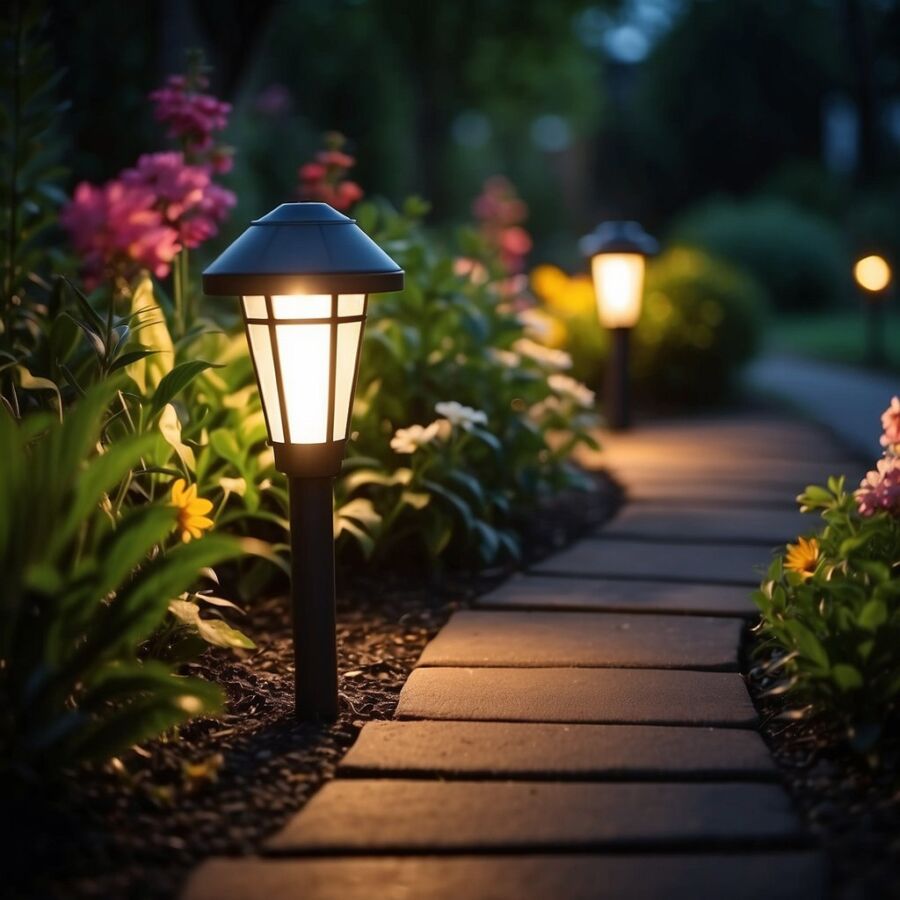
(700, 321)
(452, 344)
(831, 605)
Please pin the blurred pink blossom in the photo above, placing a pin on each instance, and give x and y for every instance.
(117, 228)
(880, 489)
(191, 116)
(501, 212)
(325, 178)
(890, 422)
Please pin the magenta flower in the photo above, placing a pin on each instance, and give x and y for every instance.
(890, 422)
(191, 116)
(880, 489)
(186, 194)
(117, 229)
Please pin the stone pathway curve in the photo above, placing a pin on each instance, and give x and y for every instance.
(584, 731)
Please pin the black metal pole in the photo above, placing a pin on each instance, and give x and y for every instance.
(618, 405)
(312, 599)
(875, 323)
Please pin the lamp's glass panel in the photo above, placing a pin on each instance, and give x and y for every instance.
(263, 360)
(348, 338)
(618, 283)
(255, 308)
(305, 355)
(302, 306)
(351, 304)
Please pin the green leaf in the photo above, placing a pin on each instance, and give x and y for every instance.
(176, 381)
(807, 643)
(846, 677)
(873, 615)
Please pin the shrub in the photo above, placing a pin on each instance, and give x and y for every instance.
(798, 257)
(700, 322)
(830, 605)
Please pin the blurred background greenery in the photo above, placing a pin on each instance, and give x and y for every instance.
(764, 133)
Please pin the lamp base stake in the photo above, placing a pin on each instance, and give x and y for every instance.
(312, 599)
(875, 325)
(618, 405)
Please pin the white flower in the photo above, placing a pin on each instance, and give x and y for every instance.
(457, 414)
(408, 440)
(505, 357)
(534, 322)
(574, 390)
(546, 356)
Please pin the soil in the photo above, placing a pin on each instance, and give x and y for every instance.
(136, 827)
(852, 807)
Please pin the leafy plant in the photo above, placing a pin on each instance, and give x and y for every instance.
(830, 609)
(29, 192)
(88, 579)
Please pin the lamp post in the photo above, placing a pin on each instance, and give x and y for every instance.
(618, 253)
(873, 275)
(304, 273)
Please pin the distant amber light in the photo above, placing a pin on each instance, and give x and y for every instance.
(872, 273)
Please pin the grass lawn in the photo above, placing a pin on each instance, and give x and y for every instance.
(833, 336)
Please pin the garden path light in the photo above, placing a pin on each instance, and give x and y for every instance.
(618, 252)
(304, 273)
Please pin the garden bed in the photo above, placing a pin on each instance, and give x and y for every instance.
(853, 811)
(137, 826)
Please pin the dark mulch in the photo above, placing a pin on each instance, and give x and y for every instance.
(851, 807)
(136, 828)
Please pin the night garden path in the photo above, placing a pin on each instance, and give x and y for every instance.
(585, 730)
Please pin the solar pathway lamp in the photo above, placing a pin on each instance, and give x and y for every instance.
(873, 275)
(304, 273)
(618, 252)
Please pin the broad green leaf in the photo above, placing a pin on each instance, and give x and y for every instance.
(152, 333)
(872, 615)
(170, 429)
(176, 381)
(846, 677)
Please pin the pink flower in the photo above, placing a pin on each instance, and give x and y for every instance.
(191, 116)
(501, 213)
(117, 229)
(880, 489)
(890, 422)
(186, 194)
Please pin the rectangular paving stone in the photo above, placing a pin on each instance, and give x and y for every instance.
(619, 595)
(697, 490)
(709, 523)
(663, 561)
(610, 696)
(745, 876)
(555, 751)
(396, 815)
(532, 638)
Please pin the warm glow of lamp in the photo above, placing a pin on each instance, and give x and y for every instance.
(872, 273)
(619, 286)
(618, 253)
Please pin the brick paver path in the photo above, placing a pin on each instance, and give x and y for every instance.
(584, 731)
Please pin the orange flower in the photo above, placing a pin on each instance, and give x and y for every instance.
(192, 510)
(802, 557)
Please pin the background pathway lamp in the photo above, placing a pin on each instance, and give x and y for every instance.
(618, 252)
(873, 275)
(304, 273)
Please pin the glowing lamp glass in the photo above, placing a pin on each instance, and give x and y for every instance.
(872, 273)
(305, 350)
(619, 286)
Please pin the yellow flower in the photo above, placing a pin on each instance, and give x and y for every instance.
(802, 557)
(192, 510)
